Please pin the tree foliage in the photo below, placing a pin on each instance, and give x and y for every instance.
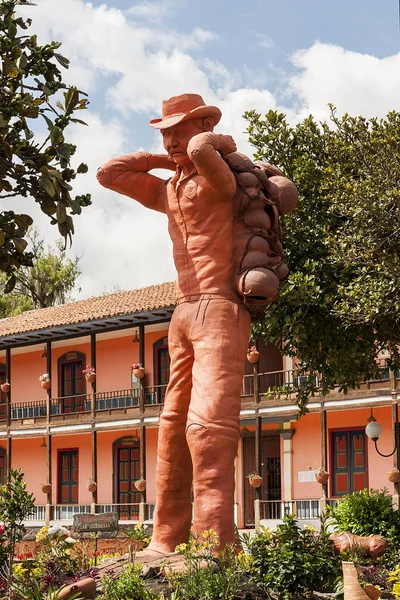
(34, 97)
(48, 282)
(340, 304)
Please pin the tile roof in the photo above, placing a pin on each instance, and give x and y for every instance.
(100, 307)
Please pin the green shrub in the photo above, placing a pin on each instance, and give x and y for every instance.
(366, 513)
(128, 586)
(292, 562)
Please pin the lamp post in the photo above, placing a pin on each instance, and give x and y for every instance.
(373, 430)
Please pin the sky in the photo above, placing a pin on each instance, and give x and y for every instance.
(295, 56)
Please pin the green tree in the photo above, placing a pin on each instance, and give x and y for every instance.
(340, 304)
(48, 282)
(32, 94)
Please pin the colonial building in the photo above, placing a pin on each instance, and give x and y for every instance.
(82, 444)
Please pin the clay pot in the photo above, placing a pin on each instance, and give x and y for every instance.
(254, 480)
(5, 387)
(394, 476)
(258, 283)
(46, 488)
(91, 485)
(86, 587)
(352, 587)
(90, 377)
(322, 477)
(46, 385)
(253, 356)
(140, 485)
(139, 373)
(284, 192)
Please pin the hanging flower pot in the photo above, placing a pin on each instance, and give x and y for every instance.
(90, 374)
(322, 476)
(137, 370)
(140, 484)
(45, 381)
(5, 387)
(253, 355)
(46, 488)
(91, 485)
(394, 476)
(255, 480)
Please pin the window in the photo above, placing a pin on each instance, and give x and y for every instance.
(72, 383)
(349, 461)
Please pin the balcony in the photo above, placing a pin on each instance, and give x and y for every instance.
(128, 400)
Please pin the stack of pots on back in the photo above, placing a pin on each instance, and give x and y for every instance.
(263, 194)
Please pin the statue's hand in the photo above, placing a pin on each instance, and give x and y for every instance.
(226, 144)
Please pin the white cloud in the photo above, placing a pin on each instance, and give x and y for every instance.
(131, 67)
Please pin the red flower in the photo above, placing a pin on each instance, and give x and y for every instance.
(28, 555)
(2, 528)
(20, 556)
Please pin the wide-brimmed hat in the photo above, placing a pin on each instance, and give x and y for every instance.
(184, 107)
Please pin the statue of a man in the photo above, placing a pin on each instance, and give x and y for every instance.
(209, 330)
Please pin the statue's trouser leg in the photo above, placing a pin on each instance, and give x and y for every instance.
(220, 338)
(173, 512)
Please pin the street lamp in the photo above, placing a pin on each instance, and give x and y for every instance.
(374, 430)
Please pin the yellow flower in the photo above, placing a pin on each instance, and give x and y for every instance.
(42, 534)
(181, 548)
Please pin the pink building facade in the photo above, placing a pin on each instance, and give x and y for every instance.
(79, 432)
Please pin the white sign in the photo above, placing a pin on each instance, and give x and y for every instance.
(306, 476)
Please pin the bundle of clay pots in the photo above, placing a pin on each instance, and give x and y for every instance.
(263, 194)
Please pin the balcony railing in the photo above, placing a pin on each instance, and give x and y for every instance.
(117, 399)
(278, 509)
(65, 405)
(66, 512)
(154, 395)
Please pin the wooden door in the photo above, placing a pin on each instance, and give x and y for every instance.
(72, 386)
(161, 367)
(127, 471)
(3, 398)
(349, 461)
(68, 476)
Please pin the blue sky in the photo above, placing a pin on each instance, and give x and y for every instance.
(293, 55)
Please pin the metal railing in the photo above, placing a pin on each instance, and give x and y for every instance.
(38, 513)
(65, 512)
(154, 394)
(278, 509)
(117, 399)
(28, 410)
(65, 405)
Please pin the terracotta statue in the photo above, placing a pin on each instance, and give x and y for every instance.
(373, 545)
(209, 330)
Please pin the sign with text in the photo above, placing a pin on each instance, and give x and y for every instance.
(99, 522)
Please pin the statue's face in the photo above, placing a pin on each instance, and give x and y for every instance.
(176, 140)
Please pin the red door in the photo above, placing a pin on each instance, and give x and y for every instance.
(68, 473)
(72, 387)
(128, 470)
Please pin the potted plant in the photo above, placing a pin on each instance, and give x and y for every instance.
(45, 381)
(322, 476)
(253, 355)
(89, 373)
(5, 387)
(394, 476)
(91, 485)
(137, 370)
(140, 484)
(46, 488)
(255, 480)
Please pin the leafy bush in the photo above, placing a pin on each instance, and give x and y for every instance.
(292, 562)
(366, 513)
(128, 586)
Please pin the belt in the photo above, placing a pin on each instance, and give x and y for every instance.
(232, 297)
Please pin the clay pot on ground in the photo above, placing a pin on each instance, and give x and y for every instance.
(394, 476)
(322, 476)
(46, 384)
(255, 480)
(5, 387)
(90, 377)
(46, 488)
(352, 587)
(140, 485)
(139, 372)
(86, 587)
(91, 485)
(253, 356)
